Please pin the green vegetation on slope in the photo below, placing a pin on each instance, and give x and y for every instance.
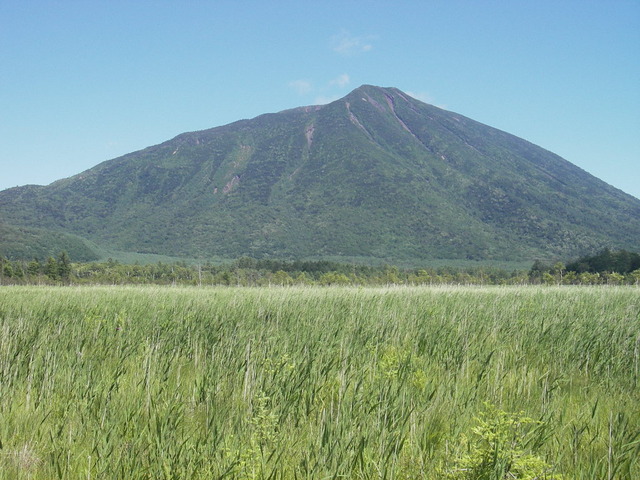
(376, 175)
(396, 383)
(28, 243)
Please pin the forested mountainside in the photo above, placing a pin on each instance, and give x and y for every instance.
(374, 175)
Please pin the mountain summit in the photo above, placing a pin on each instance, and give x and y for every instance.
(374, 175)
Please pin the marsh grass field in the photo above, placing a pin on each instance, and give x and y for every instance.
(320, 383)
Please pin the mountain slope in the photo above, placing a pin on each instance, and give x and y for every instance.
(28, 243)
(376, 174)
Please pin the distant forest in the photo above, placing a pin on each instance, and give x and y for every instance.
(605, 268)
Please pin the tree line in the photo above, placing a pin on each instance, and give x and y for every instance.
(607, 267)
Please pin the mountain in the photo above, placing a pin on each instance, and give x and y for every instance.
(374, 175)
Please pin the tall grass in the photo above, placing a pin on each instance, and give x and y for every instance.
(310, 383)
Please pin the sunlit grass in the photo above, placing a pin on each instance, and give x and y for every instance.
(152, 382)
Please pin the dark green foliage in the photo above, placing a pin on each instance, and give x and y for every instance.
(7, 270)
(51, 269)
(250, 272)
(245, 271)
(607, 261)
(34, 267)
(376, 176)
(606, 267)
(64, 265)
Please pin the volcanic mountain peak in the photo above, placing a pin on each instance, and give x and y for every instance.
(374, 175)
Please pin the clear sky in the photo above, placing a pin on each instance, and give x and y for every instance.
(85, 81)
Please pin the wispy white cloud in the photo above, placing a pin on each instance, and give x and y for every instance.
(341, 81)
(325, 93)
(324, 99)
(301, 86)
(422, 96)
(346, 44)
(426, 98)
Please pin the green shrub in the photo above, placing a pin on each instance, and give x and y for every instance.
(497, 449)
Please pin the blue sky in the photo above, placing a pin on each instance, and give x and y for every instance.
(86, 81)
